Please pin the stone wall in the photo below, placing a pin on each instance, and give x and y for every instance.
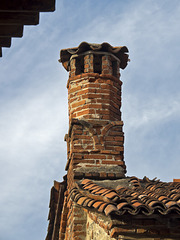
(95, 232)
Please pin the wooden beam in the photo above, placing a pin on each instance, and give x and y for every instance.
(5, 41)
(27, 5)
(22, 18)
(11, 30)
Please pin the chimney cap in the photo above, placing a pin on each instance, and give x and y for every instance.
(119, 52)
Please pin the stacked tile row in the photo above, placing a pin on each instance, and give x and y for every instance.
(141, 197)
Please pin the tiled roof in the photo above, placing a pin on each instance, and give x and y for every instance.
(55, 208)
(128, 196)
(119, 52)
(15, 14)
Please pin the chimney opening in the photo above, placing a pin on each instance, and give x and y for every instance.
(97, 64)
(114, 68)
(79, 65)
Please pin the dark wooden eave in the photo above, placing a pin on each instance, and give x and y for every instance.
(14, 14)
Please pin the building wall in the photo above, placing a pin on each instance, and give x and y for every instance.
(76, 223)
(95, 232)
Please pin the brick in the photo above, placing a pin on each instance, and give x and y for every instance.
(76, 238)
(83, 161)
(79, 221)
(92, 85)
(113, 143)
(79, 233)
(94, 156)
(118, 148)
(77, 104)
(103, 174)
(97, 162)
(118, 158)
(106, 152)
(88, 111)
(82, 92)
(91, 105)
(119, 139)
(78, 132)
(75, 89)
(99, 111)
(74, 98)
(113, 162)
(85, 137)
(107, 101)
(115, 133)
(85, 107)
(86, 65)
(106, 117)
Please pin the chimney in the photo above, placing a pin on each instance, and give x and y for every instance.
(95, 141)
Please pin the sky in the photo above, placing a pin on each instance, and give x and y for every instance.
(33, 101)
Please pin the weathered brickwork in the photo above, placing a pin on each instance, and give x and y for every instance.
(95, 139)
(75, 224)
(97, 228)
(94, 96)
(95, 150)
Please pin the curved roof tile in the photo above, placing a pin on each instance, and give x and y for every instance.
(119, 52)
(138, 197)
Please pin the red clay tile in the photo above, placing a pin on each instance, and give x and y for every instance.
(170, 204)
(89, 186)
(122, 205)
(109, 209)
(90, 203)
(161, 198)
(102, 207)
(106, 191)
(137, 204)
(176, 180)
(85, 203)
(111, 195)
(85, 181)
(148, 197)
(97, 191)
(102, 191)
(81, 200)
(97, 204)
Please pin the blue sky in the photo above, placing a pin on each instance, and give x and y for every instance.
(33, 101)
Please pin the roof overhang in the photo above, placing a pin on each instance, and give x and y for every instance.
(14, 14)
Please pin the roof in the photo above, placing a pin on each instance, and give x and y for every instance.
(55, 209)
(17, 13)
(129, 196)
(119, 52)
(129, 206)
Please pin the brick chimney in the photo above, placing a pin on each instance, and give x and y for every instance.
(95, 141)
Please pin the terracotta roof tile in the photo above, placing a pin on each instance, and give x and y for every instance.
(90, 203)
(137, 196)
(102, 191)
(109, 209)
(112, 195)
(85, 203)
(97, 204)
(86, 181)
(102, 207)
(81, 200)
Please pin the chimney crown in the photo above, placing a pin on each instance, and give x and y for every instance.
(119, 53)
